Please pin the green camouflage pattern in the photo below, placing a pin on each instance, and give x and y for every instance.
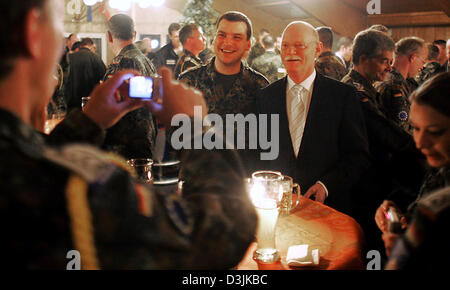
(209, 227)
(329, 65)
(270, 65)
(135, 134)
(186, 61)
(393, 99)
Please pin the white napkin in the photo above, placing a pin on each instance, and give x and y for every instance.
(301, 255)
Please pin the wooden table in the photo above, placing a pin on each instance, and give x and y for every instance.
(338, 237)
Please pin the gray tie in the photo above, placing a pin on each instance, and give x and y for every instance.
(297, 124)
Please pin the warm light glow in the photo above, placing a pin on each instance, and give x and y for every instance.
(122, 5)
(154, 43)
(125, 5)
(89, 2)
(158, 3)
(144, 3)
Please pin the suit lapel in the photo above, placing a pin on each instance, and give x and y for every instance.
(313, 119)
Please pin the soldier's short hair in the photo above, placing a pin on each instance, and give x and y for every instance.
(186, 32)
(379, 27)
(268, 41)
(173, 27)
(433, 51)
(12, 22)
(370, 43)
(76, 45)
(235, 16)
(432, 93)
(87, 41)
(409, 45)
(345, 41)
(440, 42)
(121, 26)
(325, 36)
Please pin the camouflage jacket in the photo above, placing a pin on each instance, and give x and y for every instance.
(256, 50)
(429, 70)
(186, 61)
(134, 135)
(134, 225)
(427, 232)
(329, 65)
(270, 65)
(434, 180)
(385, 136)
(394, 99)
(240, 98)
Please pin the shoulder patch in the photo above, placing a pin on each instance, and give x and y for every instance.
(178, 213)
(402, 116)
(144, 199)
(86, 161)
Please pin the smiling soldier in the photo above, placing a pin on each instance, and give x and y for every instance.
(229, 85)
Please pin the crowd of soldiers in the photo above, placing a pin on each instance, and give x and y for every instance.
(212, 223)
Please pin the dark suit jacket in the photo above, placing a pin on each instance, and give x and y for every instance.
(334, 148)
(86, 70)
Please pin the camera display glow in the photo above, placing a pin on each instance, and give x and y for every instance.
(141, 87)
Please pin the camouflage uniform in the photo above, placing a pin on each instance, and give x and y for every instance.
(429, 70)
(425, 243)
(329, 65)
(241, 98)
(256, 50)
(134, 135)
(393, 157)
(435, 179)
(186, 61)
(134, 225)
(270, 65)
(394, 99)
(386, 136)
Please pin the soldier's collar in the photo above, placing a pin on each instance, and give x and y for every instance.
(22, 135)
(127, 48)
(190, 54)
(212, 71)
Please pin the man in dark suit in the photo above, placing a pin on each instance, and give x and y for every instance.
(323, 139)
(86, 71)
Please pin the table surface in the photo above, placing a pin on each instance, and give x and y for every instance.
(338, 237)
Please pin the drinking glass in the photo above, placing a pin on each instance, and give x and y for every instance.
(143, 169)
(289, 187)
(265, 190)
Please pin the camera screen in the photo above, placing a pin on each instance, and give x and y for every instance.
(141, 87)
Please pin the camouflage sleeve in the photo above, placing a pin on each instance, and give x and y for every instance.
(426, 232)
(209, 227)
(393, 105)
(188, 78)
(76, 127)
(386, 131)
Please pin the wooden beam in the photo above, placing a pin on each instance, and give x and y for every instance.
(433, 18)
(444, 5)
(345, 20)
(275, 3)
